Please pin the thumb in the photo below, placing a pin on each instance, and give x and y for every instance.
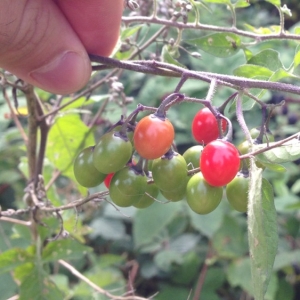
(38, 45)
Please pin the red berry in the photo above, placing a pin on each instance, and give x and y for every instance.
(205, 126)
(219, 162)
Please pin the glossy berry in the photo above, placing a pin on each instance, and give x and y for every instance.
(192, 156)
(201, 197)
(175, 195)
(127, 187)
(107, 179)
(85, 172)
(153, 136)
(111, 153)
(237, 192)
(205, 126)
(146, 200)
(244, 148)
(268, 136)
(219, 162)
(170, 171)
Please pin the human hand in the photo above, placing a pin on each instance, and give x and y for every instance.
(45, 42)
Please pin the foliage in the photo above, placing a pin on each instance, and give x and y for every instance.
(62, 241)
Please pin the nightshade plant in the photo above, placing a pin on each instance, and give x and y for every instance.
(173, 59)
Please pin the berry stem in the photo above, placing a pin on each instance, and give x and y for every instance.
(161, 110)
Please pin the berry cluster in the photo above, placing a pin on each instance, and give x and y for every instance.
(198, 175)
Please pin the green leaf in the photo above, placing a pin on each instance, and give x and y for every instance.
(13, 258)
(38, 286)
(252, 71)
(149, 223)
(262, 231)
(241, 3)
(64, 249)
(239, 274)
(214, 219)
(218, 1)
(229, 241)
(289, 151)
(130, 31)
(66, 138)
(275, 167)
(274, 2)
(169, 55)
(82, 101)
(296, 61)
(285, 259)
(268, 58)
(108, 228)
(164, 259)
(218, 44)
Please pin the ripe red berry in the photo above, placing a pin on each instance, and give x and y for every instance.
(205, 126)
(153, 136)
(219, 162)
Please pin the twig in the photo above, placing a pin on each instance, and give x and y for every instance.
(202, 274)
(94, 286)
(16, 120)
(165, 69)
(15, 221)
(205, 27)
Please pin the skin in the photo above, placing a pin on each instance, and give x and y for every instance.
(46, 42)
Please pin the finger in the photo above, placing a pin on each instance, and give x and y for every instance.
(38, 45)
(96, 22)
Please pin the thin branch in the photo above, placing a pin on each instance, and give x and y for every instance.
(205, 27)
(15, 221)
(165, 69)
(83, 93)
(14, 116)
(94, 286)
(271, 146)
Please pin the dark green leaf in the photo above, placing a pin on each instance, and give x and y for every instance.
(262, 231)
(13, 258)
(268, 58)
(38, 286)
(218, 44)
(64, 249)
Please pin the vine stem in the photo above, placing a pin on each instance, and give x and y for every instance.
(96, 287)
(213, 28)
(165, 69)
(241, 119)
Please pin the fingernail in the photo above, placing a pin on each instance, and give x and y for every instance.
(66, 73)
